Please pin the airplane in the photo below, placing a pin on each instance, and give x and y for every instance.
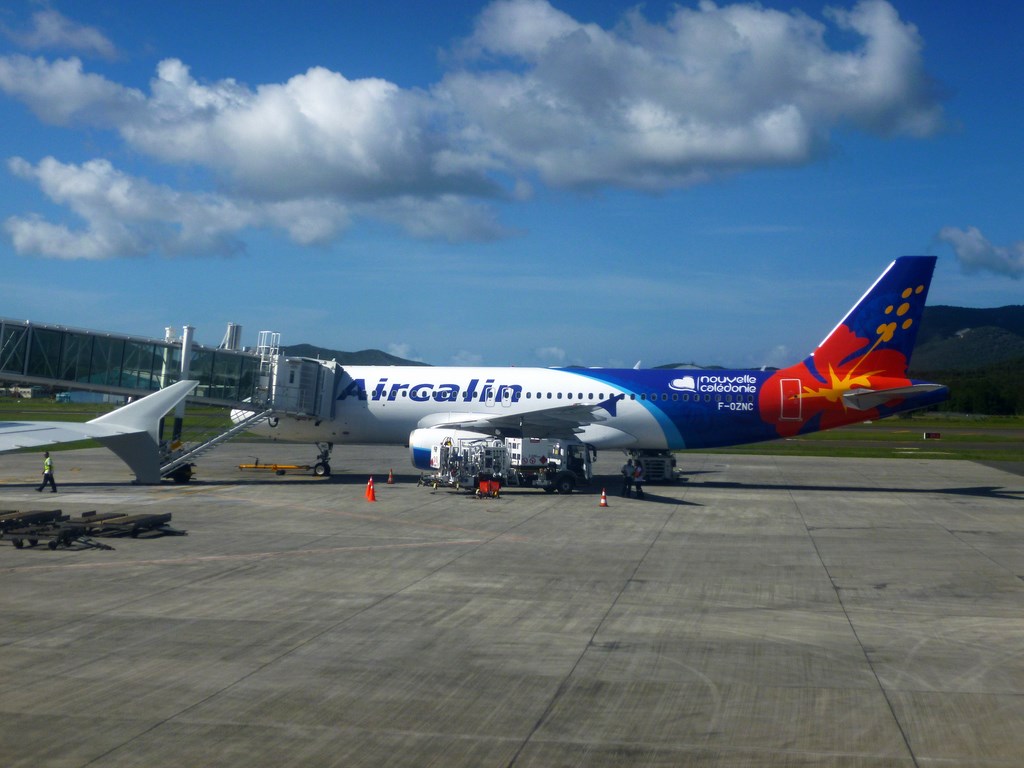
(857, 373)
(131, 431)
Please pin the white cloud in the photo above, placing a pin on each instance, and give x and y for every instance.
(778, 357)
(975, 253)
(310, 221)
(711, 90)
(359, 140)
(52, 30)
(61, 93)
(550, 355)
(124, 215)
(449, 217)
(465, 357)
(404, 351)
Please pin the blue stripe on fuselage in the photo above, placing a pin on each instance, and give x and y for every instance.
(635, 382)
(721, 409)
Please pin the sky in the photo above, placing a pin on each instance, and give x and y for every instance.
(516, 182)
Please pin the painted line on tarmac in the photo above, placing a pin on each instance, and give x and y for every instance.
(199, 559)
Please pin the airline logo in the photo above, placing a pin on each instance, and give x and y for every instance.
(473, 392)
(743, 383)
(685, 384)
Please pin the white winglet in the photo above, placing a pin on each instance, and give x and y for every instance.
(131, 432)
(144, 415)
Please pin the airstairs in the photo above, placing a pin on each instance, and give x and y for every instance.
(287, 386)
(179, 466)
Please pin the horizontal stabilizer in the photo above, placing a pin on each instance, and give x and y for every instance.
(866, 399)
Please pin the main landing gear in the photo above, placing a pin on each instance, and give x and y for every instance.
(322, 468)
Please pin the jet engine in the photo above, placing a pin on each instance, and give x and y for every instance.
(425, 444)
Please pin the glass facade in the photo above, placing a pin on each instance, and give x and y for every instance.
(76, 350)
(13, 348)
(106, 362)
(44, 353)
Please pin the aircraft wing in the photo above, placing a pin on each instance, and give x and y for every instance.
(139, 416)
(559, 421)
(130, 431)
(15, 435)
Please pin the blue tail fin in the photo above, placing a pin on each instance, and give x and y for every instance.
(885, 320)
(859, 371)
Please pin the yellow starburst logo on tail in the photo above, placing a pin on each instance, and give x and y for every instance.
(838, 385)
(833, 392)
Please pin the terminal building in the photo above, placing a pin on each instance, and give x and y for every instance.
(245, 380)
(61, 357)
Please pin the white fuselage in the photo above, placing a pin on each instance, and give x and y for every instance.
(383, 404)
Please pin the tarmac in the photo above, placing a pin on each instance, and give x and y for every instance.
(763, 611)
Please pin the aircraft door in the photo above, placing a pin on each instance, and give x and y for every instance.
(791, 408)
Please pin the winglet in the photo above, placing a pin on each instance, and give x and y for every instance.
(144, 414)
(136, 426)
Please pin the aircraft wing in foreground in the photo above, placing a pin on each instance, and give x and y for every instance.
(131, 431)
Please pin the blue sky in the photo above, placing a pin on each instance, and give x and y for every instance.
(513, 182)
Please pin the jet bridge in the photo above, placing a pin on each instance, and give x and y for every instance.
(298, 387)
(304, 387)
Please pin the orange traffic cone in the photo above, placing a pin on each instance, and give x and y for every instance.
(370, 495)
(604, 498)
(391, 477)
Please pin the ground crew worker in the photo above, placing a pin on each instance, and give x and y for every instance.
(638, 479)
(627, 478)
(47, 474)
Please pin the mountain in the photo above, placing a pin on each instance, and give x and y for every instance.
(941, 322)
(977, 353)
(950, 339)
(363, 357)
(966, 339)
(968, 350)
(690, 366)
